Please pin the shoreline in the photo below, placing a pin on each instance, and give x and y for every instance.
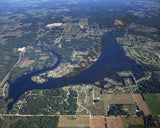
(56, 60)
(32, 71)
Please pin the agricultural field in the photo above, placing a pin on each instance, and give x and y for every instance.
(83, 21)
(114, 122)
(121, 109)
(132, 121)
(73, 122)
(141, 103)
(98, 122)
(153, 102)
(117, 99)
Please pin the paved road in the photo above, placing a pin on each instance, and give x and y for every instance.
(41, 115)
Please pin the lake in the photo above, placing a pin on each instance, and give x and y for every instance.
(111, 61)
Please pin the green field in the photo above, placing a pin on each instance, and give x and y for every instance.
(136, 121)
(153, 102)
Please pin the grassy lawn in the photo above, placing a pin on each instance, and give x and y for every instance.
(153, 102)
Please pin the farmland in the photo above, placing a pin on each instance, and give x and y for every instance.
(98, 122)
(141, 103)
(117, 99)
(132, 121)
(114, 122)
(153, 102)
(78, 121)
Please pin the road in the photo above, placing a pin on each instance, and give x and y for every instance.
(6, 78)
(90, 116)
(40, 115)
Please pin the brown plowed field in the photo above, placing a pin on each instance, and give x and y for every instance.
(117, 99)
(97, 122)
(114, 122)
(141, 103)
